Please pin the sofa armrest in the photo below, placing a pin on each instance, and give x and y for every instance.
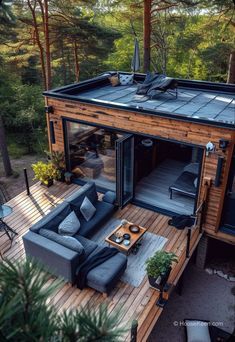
(109, 197)
(60, 260)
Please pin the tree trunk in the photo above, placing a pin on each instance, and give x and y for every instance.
(77, 69)
(63, 62)
(4, 151)
(47, 46)
(37, 36)
(231, 68)
(147, 34)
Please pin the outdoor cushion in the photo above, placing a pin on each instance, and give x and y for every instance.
(104, 277)
(126, 79)
(197, 331)
(87, 209)
(66, 241)
(103, 210)
(89, 245)
(185, 184)
(70, 225)
(52, 220)
(193, 168)
(75, 200)
(109, 197)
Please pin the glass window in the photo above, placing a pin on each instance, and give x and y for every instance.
(92, 153)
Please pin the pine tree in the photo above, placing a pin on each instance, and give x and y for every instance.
(25, 314)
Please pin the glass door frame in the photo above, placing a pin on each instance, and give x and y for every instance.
(122, 199)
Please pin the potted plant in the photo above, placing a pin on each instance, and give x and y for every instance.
(58, 161)
(45, 173)
(158, 268)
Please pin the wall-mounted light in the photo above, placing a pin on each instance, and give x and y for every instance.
(223, 144)
(49, 109)
(210, 147)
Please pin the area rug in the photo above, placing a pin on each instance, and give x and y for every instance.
(150, 243)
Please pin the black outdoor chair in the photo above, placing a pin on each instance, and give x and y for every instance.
(155, 84)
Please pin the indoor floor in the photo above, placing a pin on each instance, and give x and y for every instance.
(154, 188)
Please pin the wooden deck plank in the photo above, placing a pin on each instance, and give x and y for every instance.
(135, 303)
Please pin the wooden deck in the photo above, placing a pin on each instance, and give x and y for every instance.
(136, 303)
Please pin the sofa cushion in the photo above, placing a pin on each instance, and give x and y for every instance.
(89, 246)
(103, 210)
(109, 197)
(52, 220)
(104, 277)
(87, 209)
(89, 191)
(197, 331)
(70, 225)
(66, 241)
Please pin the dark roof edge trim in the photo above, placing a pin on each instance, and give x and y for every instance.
(124, 107)
(103, 78)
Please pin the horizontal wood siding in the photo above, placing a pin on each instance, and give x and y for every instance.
(182, 131)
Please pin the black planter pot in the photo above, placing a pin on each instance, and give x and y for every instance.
(160, 282)
(50, 183)
(61, 177)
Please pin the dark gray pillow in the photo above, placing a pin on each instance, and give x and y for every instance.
(70, 225)
(87, 209)
(66, 241)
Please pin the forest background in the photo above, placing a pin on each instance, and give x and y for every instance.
(46, 44)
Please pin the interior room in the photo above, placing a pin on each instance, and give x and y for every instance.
(167, 174)
(92, 154)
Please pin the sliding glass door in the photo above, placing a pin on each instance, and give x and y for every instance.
(125, 169)
(91, 154)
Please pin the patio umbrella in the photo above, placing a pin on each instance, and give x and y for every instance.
(135, 63)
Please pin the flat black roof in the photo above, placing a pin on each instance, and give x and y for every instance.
(197, 101)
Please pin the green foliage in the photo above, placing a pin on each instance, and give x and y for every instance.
(86, 326)
(25, 314)
(44, 172)
(57, 159)
(159, 263)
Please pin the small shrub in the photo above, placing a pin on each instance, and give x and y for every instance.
(44, 172)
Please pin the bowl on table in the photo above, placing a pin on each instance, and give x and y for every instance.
(134, 228)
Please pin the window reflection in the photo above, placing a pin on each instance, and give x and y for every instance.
(92, 154)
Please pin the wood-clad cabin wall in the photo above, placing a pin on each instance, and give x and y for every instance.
(181, 131)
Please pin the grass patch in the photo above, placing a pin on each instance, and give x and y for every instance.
(20, 145)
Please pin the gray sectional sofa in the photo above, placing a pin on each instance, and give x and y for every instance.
(61, 257)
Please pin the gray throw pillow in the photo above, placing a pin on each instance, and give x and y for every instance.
(66, 241)
(197, 331)
(87, 209)
(70, 225)
(126, 79)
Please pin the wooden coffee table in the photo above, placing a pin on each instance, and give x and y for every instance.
(135, 237)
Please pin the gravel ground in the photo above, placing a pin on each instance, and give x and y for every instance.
(204, 296)
(15, 184)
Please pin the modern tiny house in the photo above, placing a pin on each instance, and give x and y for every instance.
(169, 154)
